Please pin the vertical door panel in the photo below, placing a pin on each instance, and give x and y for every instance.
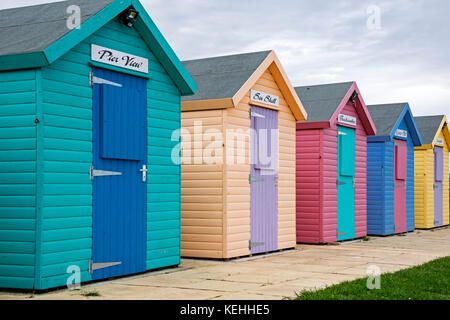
(119, 201)
(400, 168)
(345, 183)
(438, 186)
(263, 180)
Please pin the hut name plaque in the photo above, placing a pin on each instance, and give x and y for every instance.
(119, 59)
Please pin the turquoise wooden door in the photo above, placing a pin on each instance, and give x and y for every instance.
(345, 184)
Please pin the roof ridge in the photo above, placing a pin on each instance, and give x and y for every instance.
(228, 55)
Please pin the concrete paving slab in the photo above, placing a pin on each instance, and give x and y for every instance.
(267, 277)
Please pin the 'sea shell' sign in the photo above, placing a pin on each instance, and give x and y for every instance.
(440, 141)
(266, 98)
(119, 59)
(345, 119)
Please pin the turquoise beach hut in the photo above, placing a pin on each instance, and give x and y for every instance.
(88, 187)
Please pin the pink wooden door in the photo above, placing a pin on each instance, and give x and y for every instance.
(400, 175)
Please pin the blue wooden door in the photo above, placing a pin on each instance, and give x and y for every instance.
(263, 180)
(345, 184)
(118, 174)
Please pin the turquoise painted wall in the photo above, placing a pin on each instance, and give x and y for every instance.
(58, 183)
(17, 178)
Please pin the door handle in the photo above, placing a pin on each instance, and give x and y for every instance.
(144, 171)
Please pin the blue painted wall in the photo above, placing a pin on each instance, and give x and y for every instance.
(53, 159)
(380, 180)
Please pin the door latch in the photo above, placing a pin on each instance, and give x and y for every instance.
(144, 171)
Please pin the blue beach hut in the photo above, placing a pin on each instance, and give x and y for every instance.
(390, 170)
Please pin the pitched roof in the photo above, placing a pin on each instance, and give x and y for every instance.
(385, 116)
(231, 72)
(34, 28)
(428, 127)
(36, 36)
(321, 101)
(224, 81)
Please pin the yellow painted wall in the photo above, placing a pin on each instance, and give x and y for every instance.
(423, 189)
(215, 199)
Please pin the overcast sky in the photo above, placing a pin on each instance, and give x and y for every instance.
(402, 56)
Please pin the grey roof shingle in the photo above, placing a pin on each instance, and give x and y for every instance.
(35, 28)
(221, 77)
(428, 127)
(321, 101)
(385, 117)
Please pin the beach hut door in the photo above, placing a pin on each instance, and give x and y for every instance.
(345, 184)
(400, 166)
(263, 180)
(438, 186)
(118, 174)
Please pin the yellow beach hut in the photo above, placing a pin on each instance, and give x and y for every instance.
(431, 172)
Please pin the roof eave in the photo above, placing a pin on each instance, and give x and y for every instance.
(23, 61)
(212, 104)
(313, 125)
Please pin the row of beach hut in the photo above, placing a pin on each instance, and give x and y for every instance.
(117, 158)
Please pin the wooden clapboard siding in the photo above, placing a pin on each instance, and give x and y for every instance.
(329, 176)
(423, 195)
(237, 215)
(376, 206)
(202, 205)
(18, 99)
(308, 185)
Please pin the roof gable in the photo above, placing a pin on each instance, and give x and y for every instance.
(430, 128)
(321, 101)
(325, 102)
(224, 81)
(388, 117)
(37, 41)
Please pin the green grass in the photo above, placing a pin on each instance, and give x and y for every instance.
(430, 281)
(93, 293)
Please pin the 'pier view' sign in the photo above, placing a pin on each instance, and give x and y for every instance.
(119, 59)
(266, 98)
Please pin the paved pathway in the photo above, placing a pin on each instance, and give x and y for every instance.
(275, 276)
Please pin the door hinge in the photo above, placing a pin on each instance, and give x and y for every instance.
(341, 233)
(253, 179)
(96, 266)
(252, 245)
(397, 186)
(340, 183)
(101, 173)
(255, 115)
(96, 80)
(396, 228)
